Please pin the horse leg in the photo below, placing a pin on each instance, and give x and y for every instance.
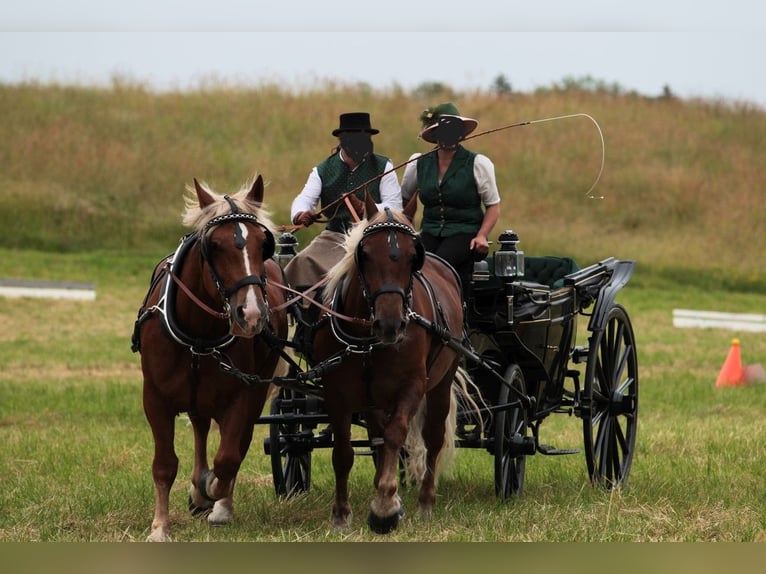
(199, 506)
(376, 422)
(218, 485)
(342, 461)
(386, 508)
(164, 464)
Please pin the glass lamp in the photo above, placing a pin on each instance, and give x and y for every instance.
(509, 260)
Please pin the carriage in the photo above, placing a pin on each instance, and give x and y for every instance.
(521, 351)
(396, 349)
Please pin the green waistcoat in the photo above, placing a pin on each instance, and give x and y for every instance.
(337, 179)
(454, 206)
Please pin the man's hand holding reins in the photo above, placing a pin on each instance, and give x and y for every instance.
(305, 218)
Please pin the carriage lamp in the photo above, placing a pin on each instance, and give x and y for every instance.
(480, 271)
(509, 260)
(287, 243)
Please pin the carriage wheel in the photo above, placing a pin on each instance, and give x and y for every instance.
(290, 447)
(610, 400)
(511, 440)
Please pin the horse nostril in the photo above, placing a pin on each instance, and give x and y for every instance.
(241, 313)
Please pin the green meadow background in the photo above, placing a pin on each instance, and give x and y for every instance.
(92, 187)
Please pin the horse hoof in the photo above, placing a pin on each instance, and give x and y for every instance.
(384, 524)
(220, 515)
(198, 511)
(159, 535)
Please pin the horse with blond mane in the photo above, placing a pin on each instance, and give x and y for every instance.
(393, 370)
(205, 332)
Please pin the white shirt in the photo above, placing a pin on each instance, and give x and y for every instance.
(308, 198)
(483, 173)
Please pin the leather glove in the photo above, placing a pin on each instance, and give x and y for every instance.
(304, 218)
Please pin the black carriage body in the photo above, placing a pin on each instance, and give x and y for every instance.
(527, 323)
(523, 334)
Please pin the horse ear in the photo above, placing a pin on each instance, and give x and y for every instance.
(256, 191)
(370, 208)
(411, 207)
(203, 196)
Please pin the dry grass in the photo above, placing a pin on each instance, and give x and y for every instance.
(682, 183)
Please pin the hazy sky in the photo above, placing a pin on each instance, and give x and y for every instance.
(699, 48)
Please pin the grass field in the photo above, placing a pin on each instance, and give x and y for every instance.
(77, 449)
(92, 184)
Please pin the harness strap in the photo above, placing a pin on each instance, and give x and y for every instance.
(193, 297)
(301, 294)
(193, 385)
(354, 320)
(440, 319)
(351, 208)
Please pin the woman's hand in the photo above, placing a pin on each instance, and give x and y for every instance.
(480, 245)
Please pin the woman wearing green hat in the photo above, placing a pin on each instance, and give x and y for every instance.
(457, 188)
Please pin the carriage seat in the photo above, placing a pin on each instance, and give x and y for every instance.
(549, 270)
(544, 271)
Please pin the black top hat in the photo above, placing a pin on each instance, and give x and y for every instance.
(355, 122)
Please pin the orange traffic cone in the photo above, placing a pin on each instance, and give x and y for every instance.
(732, 373)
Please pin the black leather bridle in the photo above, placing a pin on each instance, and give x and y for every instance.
(393, 228)
(239, 241)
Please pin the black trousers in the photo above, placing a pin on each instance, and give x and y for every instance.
(455, 250)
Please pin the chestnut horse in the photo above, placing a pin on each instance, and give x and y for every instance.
(392, 368)
(203, 333)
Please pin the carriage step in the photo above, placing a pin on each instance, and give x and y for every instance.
(553, 451)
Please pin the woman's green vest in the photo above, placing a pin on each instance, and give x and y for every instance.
(454, 206)
(337, 179)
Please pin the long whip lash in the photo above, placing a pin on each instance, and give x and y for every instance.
(588, 193)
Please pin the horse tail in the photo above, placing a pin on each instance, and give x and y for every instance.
(415, 449)
(281, 370)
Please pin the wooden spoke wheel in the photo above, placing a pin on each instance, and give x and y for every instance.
(290, 445)
(610, 400)
(511, 440)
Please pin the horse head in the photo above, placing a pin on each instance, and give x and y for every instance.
(235, 243)
(387, 255)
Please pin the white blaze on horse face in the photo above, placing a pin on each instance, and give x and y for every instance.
(253, 309)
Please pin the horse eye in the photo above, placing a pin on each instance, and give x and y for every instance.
(213, 246)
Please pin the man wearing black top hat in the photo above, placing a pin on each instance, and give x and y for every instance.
(351, 164)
